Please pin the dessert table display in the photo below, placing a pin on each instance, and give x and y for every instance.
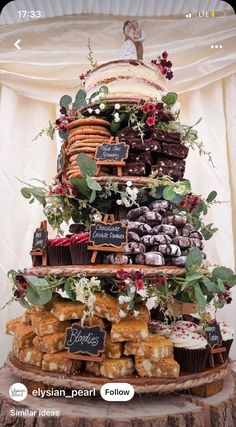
(127, 294)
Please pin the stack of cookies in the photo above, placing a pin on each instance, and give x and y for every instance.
(39, 337)
(85, 135)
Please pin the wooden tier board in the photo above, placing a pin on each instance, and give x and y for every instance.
(185, 381)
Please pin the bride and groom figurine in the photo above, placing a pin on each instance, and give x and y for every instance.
(132, 48)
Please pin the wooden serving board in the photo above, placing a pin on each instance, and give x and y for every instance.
(103, 270)
(141, 385)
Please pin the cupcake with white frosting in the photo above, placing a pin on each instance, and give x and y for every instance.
(190, 350)
(227, 333)
(186, 326)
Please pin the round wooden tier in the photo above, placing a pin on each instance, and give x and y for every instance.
(107, 270)
(141, 385)
(182, 410)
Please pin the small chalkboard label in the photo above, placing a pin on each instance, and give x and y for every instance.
(105, 234)
(112, 152)
(40, 239)
(88, 340)
(60, 163)
(213, 334)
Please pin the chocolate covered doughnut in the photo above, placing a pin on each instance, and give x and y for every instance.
(134, 248)
(140, 228)
(135, 213)
(169, 249)
(170, 230)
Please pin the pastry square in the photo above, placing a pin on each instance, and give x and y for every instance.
(24, 335)
(26, 317)
(154, 348)
(66, 309)
(31, 356)
(108, 307)
(50, 343)
(42, 308)
(96, 321)
(165, 368)
(16, 348)
(12, 324)
(129, 330)
(111, 368)
(59, 363)
(45, 324)
(113, 350)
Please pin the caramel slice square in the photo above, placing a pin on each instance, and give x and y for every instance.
(57, 362)
(140, 311)
(24, 335)
(31, 356)
(50, 343)
(26, 317)
(96, 321)
(165, 368)
(113, 350)
(67, 309)
(45, 324)
(129, 330)
(12, 324)
(111, 368)
(153, 348)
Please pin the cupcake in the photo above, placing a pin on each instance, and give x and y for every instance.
(190, 350)
(227, 333)
(80, 255)
(186, 326)
(59, 252)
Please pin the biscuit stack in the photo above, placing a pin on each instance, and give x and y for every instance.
(85, 135)
(38, 339)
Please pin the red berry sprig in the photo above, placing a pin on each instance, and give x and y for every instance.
(190, 201)
(164, 65)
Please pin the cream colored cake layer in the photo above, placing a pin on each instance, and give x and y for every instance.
(127, 79)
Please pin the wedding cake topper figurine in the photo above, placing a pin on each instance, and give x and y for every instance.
(132, 47)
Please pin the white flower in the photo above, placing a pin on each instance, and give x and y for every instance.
(116, 115)
(97, 111)
(117, 106)
(102, 95)
(151, 303)
(97, 97)
(90, 110)
(128, 281)
(94, 281)
(123, 299)
(132, 289)
(97, 217)
(117, 119)
(93, 100)
(122, 313)
(129, 183)
(83, 281)
(102, 106)
(142, 293)
(119, 202)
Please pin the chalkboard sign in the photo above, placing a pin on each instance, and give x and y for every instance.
(89, 340)
(40, 239)
(102, 234)
(112, 152)
(213, 334)
(60, 163)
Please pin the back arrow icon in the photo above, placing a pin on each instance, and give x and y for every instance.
(16, 44)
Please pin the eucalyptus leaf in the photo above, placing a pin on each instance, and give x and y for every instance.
(93, 184)
(199, 296)
(36, 281)
(221, 285)
(194, 259)
(65, 101)
(193, 276)
(26, 192)
(223, 273)
(210, 285)
(92, 197)
(170, 98)
(81, 185)
(211, 196)
(63, 134)
(86, 165)
(169, 193)
(37, 296)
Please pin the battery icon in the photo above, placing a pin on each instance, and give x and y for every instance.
(213, 13)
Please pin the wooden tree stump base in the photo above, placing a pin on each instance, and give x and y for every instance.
(145, 411)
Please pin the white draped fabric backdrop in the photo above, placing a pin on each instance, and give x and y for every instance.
(53, 55)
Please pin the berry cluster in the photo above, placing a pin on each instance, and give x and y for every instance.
(21, 286)
(61, 188)
(190, 201)
(158, 113)
(225, 296)
(164, 65)
(127, 279)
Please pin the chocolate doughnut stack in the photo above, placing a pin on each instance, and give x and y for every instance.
(161, 152)
(85, 135)
(158, 237)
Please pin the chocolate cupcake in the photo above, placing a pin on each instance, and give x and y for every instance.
(80, 255)
(59, 252)
(227, 333)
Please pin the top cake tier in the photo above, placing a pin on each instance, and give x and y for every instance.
(127, 78)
